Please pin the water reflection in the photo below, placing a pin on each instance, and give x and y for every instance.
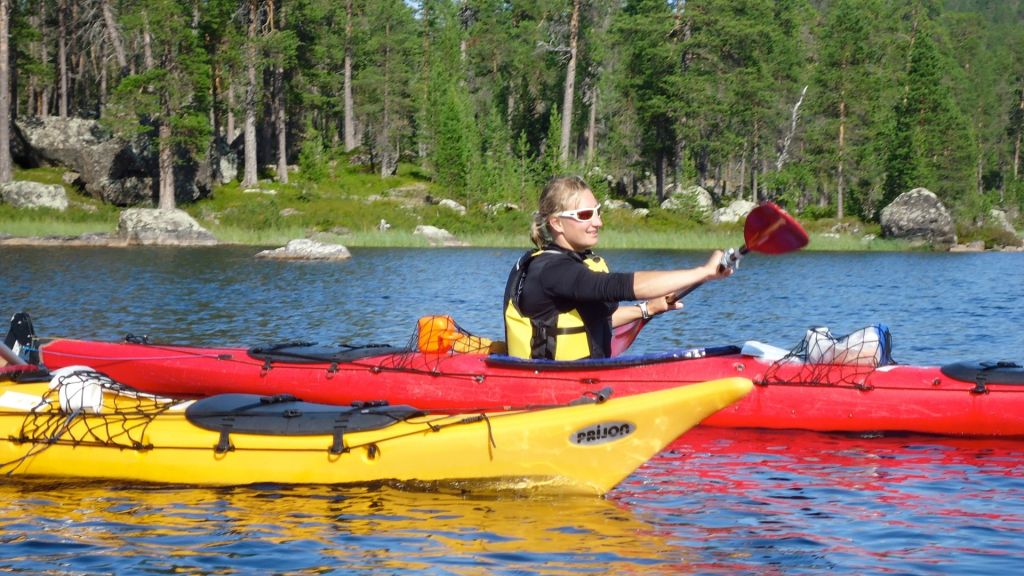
(838, 502)
(311, 528)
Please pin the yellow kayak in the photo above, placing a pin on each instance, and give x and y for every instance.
(84, 425)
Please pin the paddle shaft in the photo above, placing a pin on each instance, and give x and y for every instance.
(9, 355)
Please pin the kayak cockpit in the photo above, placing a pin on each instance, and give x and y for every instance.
(986, 372)
(316, 353)
(614, 362)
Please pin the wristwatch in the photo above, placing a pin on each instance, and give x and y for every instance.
(643, 310)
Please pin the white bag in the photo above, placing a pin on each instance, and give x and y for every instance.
(78, 389)
(869, 346)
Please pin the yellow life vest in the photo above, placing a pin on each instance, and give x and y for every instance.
(561, 336)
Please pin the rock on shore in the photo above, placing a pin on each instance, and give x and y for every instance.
(156, 227)
(305, 249)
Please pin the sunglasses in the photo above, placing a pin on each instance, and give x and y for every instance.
(581, 215)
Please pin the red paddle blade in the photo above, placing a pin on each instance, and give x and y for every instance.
(771, 230)
(623, 336)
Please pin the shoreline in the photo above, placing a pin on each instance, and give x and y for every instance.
(96, 240)
(107, 240)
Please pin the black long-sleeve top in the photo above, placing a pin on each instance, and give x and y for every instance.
(559, 281)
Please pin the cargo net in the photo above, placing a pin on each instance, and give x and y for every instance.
(435, 338)
(825, 360)
(87, 408)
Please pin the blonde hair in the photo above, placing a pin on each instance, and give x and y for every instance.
(560, 193)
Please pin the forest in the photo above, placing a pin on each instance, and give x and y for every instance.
(829, 107)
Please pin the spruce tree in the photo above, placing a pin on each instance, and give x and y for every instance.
(844, 85)
(383, 81)
(447, 112)
(930, 145)
(649, 79)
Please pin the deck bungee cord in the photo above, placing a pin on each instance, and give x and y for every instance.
(123, 426)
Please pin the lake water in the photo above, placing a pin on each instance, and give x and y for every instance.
(717, 501)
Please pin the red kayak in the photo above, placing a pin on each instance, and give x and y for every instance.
(825, 384)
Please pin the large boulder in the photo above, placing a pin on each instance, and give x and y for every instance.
(999, 219)
(611, 204)
(127, 191)
(62, 141)
(690, 198)
(437, 236)
(305, 249)
(110, 169)
(734, 212)
(920, 217)
(453, 206)
(156, 227)
(23, 194)
(119, 172)
(501, 207)
(223, 161)
(23, 154)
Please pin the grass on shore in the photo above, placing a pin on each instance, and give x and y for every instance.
(33, 228)
(84, 215)
(348, 207)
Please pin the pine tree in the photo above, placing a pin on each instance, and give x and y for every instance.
(170, 94)
(569, 91)
(252, 61)
(5, 91)
(282, 47)
(985, 43)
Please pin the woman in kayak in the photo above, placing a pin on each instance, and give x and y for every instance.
(561, 302)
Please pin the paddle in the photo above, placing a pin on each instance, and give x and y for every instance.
(767, 230)
(9, 356)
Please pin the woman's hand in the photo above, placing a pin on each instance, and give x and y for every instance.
(661, 305)
(714, 268)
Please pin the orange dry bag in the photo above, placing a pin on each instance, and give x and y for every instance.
(436, 334)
